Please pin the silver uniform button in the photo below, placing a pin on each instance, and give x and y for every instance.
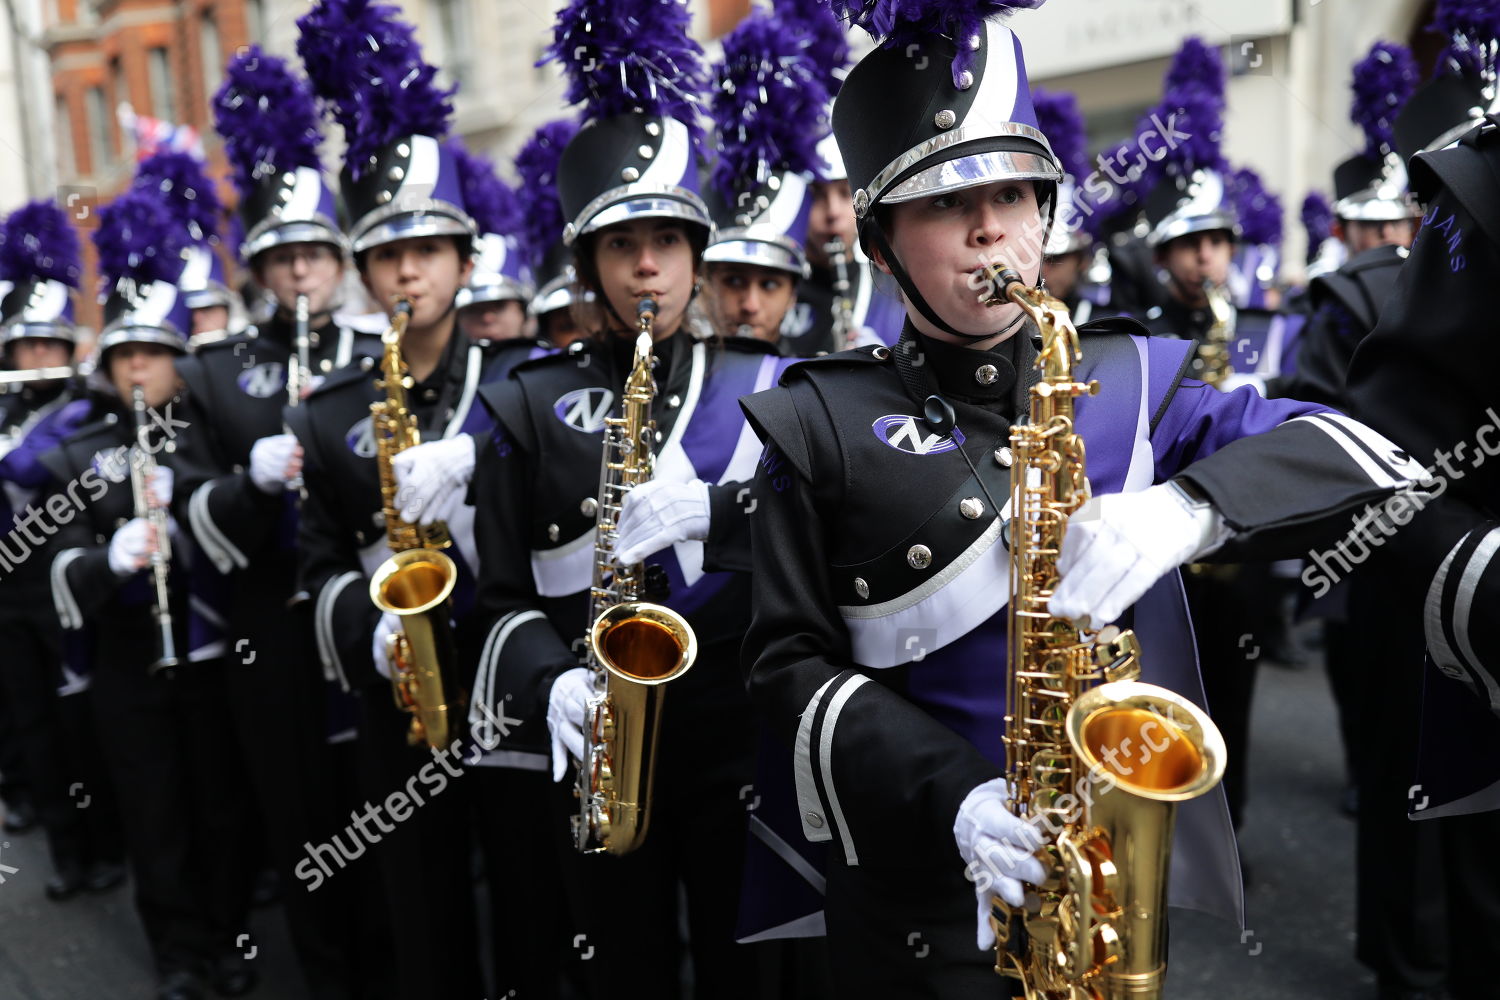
(590, 506)
(1003, 456)
(674, 401)
(815, 821)
(553, 531)
(861, 587)
(986, 374)
(919, 557)
(971, 507)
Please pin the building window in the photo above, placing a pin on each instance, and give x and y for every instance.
(208, 53)
(98, 121)
(117, 77)
(255, 21)
(66, 165)
(160, 71)
(453, 33)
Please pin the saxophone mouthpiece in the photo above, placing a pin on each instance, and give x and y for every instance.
(646, 309)
(403, 306)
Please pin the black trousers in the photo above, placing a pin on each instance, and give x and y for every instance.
(304, 789)
(907, 933)
(1227, 618)
(73, 795)
(424, 860)
(181, 786)
(1428, 891)
(529, 939)
(628, 913)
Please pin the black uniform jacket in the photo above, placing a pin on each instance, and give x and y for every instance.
(341, 532)
(535, 532)
(1426, 377)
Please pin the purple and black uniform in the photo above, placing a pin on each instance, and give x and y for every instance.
(878, 640)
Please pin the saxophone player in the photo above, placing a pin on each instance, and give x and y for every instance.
(877, 643)
(412, 241)
(537, 487)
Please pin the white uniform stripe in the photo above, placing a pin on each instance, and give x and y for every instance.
(333, 668)
(825, 760)
(225, 556)
(1378, 475)
(1478, 562)
(62, 594)
(808, 802)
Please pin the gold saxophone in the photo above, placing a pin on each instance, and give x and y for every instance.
(634, 647)
(416, 582)
(1096, 759)
(1214, 364)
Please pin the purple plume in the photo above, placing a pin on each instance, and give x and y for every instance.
(1062, 123)
(1196, 66)
(1258, 209)
(267, 118)
(38, 242)
(1200, 114)
(1383, 82)
(1098, 204)
(489, 200)
(769, 105)
(536, 166)
(1472, 28)
(1317, 219)
(178, 179)
(895, 23)
(823, 37)
(621, 56)
(365, 62)
(138, 239)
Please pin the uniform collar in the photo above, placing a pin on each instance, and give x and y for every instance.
(980, 378)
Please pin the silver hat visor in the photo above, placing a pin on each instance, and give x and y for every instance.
(559, 293)
(405, 220)
(965, 170)
(501, 289)
(745, 246)
(1187, 223)
(630, 202)
(20, 329)
(270, 234)
(125, 331)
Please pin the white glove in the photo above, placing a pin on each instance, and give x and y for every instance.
(388, 625)
(432, 478)
(1236, 379)
(998, 851)
(275, 461)
(130, 548)
(1118, 545)
(160, 485)
(567, 706)
(658, 513)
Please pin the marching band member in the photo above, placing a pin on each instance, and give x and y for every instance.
(637, 227)
(1425, 899)
(878, 631)
(39, 262)
(492, 303)
(238, 496)
(765, 114)
(558, 293)
(188, 832)
(412, 242)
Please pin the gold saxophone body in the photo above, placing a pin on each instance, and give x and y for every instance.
(1097, 759)
(416, 582)
(634, 647)
(1214, 363)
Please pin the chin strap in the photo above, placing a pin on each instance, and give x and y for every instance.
(877, 235)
